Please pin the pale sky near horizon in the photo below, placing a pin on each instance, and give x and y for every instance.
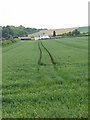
(51, 14)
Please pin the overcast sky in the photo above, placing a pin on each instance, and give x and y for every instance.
(44, 13)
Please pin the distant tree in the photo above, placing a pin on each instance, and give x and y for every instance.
(75, 32)
(7, 32)
(69, 34)
(54, 33)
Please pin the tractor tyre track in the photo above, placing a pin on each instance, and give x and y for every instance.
(40, 55)
(51, 58)
(50, 55)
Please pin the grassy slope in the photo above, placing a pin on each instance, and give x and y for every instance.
(51, 90)
(83, 29)
(50, 32)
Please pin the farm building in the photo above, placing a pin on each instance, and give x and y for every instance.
(42, 36)
(25, 38)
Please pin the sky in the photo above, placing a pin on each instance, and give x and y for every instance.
(50, 14)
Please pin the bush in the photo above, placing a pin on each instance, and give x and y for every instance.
(6, 42)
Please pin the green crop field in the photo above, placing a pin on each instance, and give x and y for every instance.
(46, 79)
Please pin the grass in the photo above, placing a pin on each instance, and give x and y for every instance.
(46, 79)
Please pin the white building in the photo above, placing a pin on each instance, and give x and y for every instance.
(42, 36)
(37, 37)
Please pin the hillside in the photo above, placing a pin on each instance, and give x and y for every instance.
(50, 31)
(83, 29)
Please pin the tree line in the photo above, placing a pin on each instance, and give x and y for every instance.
(73, 33)
(9, 32)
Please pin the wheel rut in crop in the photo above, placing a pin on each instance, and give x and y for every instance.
(40, 56)
(42, 50)
(50, 55)
(40, 44)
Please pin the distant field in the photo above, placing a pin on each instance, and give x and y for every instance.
(83, 29)
(46, 79)
(50, 32)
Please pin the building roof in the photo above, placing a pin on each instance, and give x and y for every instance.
(24, 37)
